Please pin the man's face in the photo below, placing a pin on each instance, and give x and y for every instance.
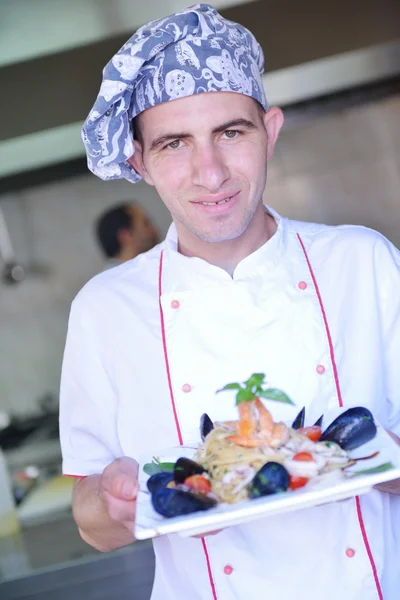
(144, 234)
(206, 155)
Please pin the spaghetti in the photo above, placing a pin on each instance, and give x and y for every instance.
(231, 467)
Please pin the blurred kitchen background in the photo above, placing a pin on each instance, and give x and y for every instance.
(335, 69)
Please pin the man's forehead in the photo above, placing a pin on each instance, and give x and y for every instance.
(135, 210)
(209, 109)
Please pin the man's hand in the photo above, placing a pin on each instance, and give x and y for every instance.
(391, 487)
(104, 506)
(394, 436)
(119, 489)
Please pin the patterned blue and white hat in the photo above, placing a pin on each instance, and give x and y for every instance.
(186, 53)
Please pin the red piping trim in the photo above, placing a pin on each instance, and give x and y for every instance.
(335, 371)
(368, 548)
(328, 333)
(164, 341)
(210, 575)
(171, 393)
(75, 476)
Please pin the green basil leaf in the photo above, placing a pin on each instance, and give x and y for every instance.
(244, 396)
(380, 469)
(152, 468)
(158, 467)
(256, 380)
(275, 395)
(167, 466)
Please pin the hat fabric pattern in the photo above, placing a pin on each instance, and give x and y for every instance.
(187, 53)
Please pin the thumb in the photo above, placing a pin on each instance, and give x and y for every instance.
(120, 479)
(126, 487)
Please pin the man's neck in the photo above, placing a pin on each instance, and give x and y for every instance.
(125, 254)
(227, 255)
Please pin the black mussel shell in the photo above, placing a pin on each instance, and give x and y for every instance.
(299, 420)
(185, 467)
(351, 429)
(169, 502)
(206, 425)
(272, 478)
(318, 422)
(159, 480)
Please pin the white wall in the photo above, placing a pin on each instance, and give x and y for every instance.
(52, 225)
(344, 168)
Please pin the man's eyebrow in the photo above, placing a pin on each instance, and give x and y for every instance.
(164, 139)
(160, 141)
(235, 123)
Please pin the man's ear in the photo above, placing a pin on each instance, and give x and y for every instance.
(136, 160)
(273, 121)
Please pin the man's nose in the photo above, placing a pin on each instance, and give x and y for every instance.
(209, 169)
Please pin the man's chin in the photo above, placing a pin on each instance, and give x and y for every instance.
(219, 238)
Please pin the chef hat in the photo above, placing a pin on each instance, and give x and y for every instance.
(186, 53)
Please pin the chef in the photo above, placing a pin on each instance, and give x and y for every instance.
(234, 289)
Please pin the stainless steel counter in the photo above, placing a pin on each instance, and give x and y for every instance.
(50, 561)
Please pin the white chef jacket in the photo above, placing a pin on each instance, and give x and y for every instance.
(317, 308)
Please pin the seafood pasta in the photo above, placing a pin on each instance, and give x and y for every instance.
(231, 468)
(255, 456)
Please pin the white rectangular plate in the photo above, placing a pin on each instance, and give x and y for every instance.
(149, 524)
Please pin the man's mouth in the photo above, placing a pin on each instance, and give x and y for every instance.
(215, 203)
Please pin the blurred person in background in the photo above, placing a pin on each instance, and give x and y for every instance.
(124, 231)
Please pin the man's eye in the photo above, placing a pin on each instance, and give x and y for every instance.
(231, 133)
(174, 145)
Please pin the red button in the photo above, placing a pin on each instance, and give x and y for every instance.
(186, 388)
(175, 304)
(228, 570)
(302, 285)
(350, 552)
(320, 369)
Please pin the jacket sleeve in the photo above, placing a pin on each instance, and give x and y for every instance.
(388, 267)
(88, 402)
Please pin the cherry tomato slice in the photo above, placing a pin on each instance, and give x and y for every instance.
(198, 483)
(313, 432)
(303, 456)
(297, 482)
